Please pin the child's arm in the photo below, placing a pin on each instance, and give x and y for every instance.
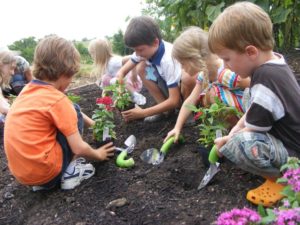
(4, 105)
(167, 105)
(184, 112)
(87, 120)
(133, 77)
(129, 65)
(239, 127)
(243, 82)
(81, 148)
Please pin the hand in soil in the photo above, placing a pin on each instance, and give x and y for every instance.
(133, 114)
(106, 151)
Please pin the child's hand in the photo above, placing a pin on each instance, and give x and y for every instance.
(220, 142)
(106, 151)
(133, 114)
(175, 132)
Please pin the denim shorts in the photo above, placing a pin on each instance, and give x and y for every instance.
(257, 153)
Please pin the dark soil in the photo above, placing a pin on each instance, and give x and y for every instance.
(163, 194)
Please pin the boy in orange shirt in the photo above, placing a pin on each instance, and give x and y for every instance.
(42, 137)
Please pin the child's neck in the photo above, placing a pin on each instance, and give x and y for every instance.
(265, 56)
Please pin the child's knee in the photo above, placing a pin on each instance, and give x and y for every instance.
(256, 153)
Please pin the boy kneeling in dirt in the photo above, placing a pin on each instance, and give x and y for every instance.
(158, 70)
(269, 131)
(42, 137)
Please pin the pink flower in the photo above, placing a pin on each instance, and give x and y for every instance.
(243, 216)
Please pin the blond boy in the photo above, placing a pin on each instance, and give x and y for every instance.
(270, 129)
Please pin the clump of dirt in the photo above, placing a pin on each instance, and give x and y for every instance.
(163, 194)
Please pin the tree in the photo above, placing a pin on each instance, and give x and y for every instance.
(26, 47)
(84, 53)
(174, 15)
(118, 45)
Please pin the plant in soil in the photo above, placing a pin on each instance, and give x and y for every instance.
(217, 117)
(74, 98)
(120, 95)
(104, 119)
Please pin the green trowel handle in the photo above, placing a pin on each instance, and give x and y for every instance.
(167, 145)
(213, 155)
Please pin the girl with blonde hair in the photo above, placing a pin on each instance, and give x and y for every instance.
(7, 66)
(207, 73)
(107, 65)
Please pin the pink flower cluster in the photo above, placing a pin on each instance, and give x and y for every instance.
(293, 177)
(289, 216)
(243, 216)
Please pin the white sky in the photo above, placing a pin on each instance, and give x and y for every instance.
(71, 19)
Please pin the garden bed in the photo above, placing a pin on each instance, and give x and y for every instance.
(163, 194)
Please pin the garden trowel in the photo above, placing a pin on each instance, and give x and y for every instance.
(154, 156)
(130, 143)
(214, 165)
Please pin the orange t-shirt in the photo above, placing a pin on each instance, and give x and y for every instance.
(33, 153)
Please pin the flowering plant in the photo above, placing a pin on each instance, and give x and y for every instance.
(216, 117)
(104, 118)
(121, 96)
(287, 213)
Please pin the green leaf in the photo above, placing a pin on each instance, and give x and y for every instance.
(261, 210)
(212, 11)
(280, 14)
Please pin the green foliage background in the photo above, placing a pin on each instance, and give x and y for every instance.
(175, 15)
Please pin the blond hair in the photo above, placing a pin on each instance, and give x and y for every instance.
(101, 52)
(55, 57)
(6, 58)
(192, 46)
(240, 25)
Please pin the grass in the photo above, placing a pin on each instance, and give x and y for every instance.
(85, 70)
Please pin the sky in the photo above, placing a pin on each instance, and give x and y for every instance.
(71, 19)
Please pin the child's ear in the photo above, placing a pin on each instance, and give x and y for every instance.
(156, 42)
(251, 51)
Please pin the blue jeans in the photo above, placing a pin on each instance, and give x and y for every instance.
(258, 153)
(67, 152)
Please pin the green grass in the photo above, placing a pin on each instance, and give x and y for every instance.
(85, 70)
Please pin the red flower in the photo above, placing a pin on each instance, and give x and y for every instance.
(105, 101)
(197, 115)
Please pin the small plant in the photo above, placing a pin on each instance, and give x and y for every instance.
(121, 96)
(73, 98)
(214, 118)
(104, 119)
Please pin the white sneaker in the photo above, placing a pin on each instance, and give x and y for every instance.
(80, 171)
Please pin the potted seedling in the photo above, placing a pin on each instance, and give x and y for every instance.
(218, 116)
(120, 95)
(103, 129)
